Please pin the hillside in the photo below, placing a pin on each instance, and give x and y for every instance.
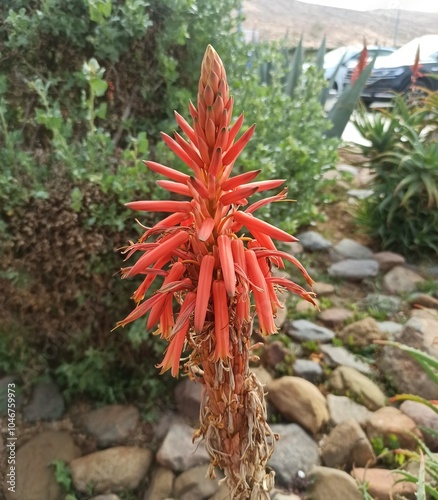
(275, 19)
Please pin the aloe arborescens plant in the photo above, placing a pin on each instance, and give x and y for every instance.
(211, 269)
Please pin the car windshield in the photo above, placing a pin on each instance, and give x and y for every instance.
(333, 57)
(405, 56)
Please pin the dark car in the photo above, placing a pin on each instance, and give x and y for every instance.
(393, 73)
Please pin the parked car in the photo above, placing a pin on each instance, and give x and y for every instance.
(347, 57)
(393, 74)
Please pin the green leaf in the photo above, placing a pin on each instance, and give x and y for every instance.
(99, 86)
(320, 55)
(295, 70)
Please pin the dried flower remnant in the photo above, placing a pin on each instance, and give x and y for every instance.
(213, 258)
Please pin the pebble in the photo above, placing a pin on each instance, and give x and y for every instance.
(194, 484)
(346, 380)
(323, 289)
(274, 353)
(303, 330)
(262, 374)
(423, 300)
(335, 316)
(46, 403)
(340, 356)
(361, 333)
(313, 241)
(279, 495)
(281, 315)
(114, 469)
(425, 418)
(111, 424)
(354, 270)
(384, 484)
(400, 280)
(388, 260)
(188, 398)
(390, 328)
(299, 401)
(295, 453)
(360, 194)
(307, 369)
(305, 307)
(161, 485)
(349, 249)
(333, 484)
(342, 408)
(380, 302)
(110, 496)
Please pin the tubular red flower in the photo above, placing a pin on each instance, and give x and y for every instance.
(222, 321)
(227, 264)
(204, 291)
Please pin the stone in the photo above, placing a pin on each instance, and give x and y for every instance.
(110, 496)
(340, 356)
(425, 418)
(194, 484)
(388, 260)
(354, 270)
(35, 476)
(389, 328)
(342, 408)
(347, 445)
(103, 472)
(262, 375)
(360, 194)
(303, 330)
(307, 369)
(11, 382)
(294, 248)
(281, 316)
(389, 422)
(222, 493)
(335, 316)
(274, 353)
(383, 303)
(327, 483)
(323, 289)
(188, 398)
(361, 333)
(111, 424)
(346, 380)
(350, 169)
(295, 453)
(400, 280)
(313, 241)
(420, 332)
(424, 300)
(161, 485)
(349, 249)
(280, 495)
(305, 307)
(177, 451)
(46, 403)
(299, 401)
(383, 484)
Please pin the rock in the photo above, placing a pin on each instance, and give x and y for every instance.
(295, 453)
(424, 300)
(188, 398)
(46, 403)
(12, 382)
(35, 477)
(390, 422)
(114, 469)
(111, 424)
(361, 333)
(313, 241)
(401, 280)
(303, 330)
(161, 485)
(340, 356)
(333, 484)
(382, 303)
(347, 380)
(280, 495)
(274, 353)
(335, 316)
(299, 401)
(110, 496)
(347, 445)
(177, 452)
(294, 248)
(383, 484)
(281, 316)
(388, 260)
(349, 249)
(194, 484)
(360, 194)
(323, 289)
(354, 270)
(407, 375)
(307, 369)
(425, 418)
(342, 408)
(389, 328)
(304, 307)
(262, 374)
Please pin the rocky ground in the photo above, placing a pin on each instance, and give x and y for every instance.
(328, 385)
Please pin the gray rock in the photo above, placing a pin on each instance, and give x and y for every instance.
(46, 403)
(384, 303)
(194, 484)
(35, 478)
(313, 241)
(188, 398)
(304, 330)
(295, 452)
(354, 270)
(401, 280)
(390, 328)
(388, 260)
(307, 369)
(111, 424)
(347, 445)
(425, 418)
(335, 316)
(114, 469)
(177, 451)
(360, 194)
(342, 408)
(333, 484)
(12, 382)
(349, 169)
(340, 356)
(323, 289)
(346, 380)
(361, 333)
(349, 249)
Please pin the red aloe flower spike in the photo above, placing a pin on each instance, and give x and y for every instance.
(264, 227)
(238, 146)
(160, 206)
(221, 321)
(227, 264)
(167, 171)
(237, 194)
(186, 128)
(361, 63)
(174, 187)
(203, 292)
(238, 180)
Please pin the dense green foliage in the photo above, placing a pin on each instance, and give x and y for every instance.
(402, 213)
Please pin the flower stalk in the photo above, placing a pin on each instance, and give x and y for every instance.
(214, 257)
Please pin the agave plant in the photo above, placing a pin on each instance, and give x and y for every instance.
(214, 259)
